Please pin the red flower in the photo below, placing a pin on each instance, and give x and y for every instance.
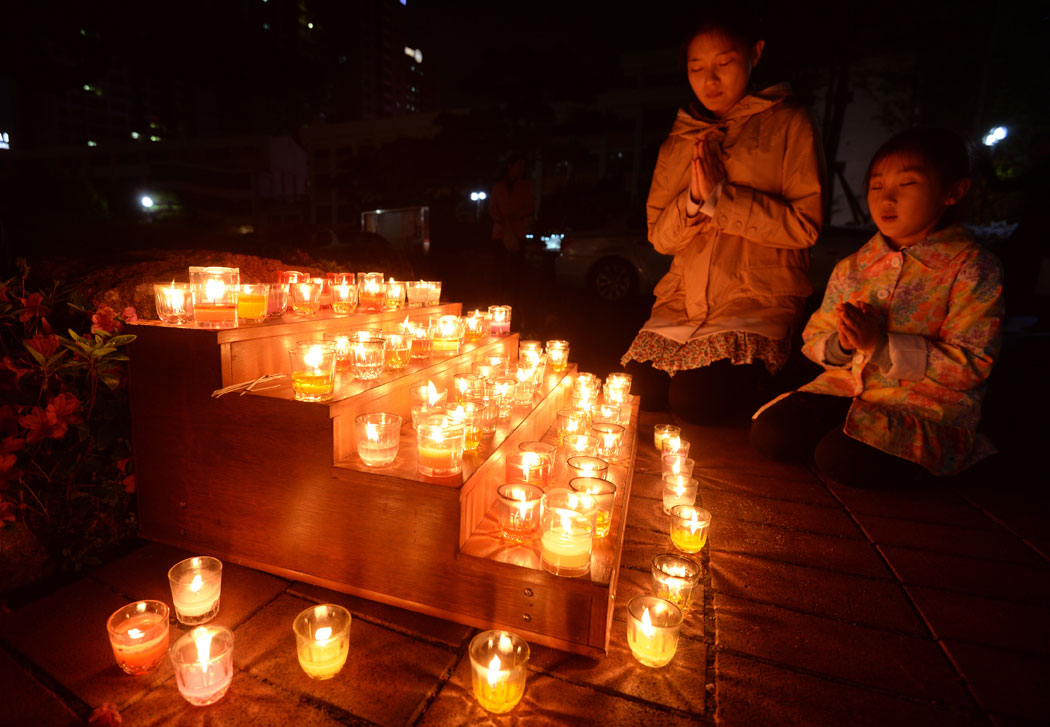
(130, 314)
(53, 421)
(11, 365)
(105, 319)
(34, 306)
(7, 469)
(8, 512)
(129, 484)
(45, 345)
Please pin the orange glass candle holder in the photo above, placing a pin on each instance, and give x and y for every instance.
(138, 633)
(215, 296)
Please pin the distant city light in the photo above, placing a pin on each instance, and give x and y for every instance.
(477, 196)
(87, 87)
(146, 201)
(154, 138)
(5, 140)
(414, 53)
(994, 135)
(92, 143)
(266, 26)
(310, 26)
(135, 135)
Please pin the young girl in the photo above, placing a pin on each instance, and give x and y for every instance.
(907, 333)
(736, 198)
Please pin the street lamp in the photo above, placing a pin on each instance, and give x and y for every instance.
(477, 198)
(146, 201)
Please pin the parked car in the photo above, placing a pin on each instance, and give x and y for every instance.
(616, 262)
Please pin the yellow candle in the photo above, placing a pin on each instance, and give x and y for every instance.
(496, 692)
(565, 546)
(324, 657)
(251, 306)
(499, 664)
(689, 528)
(652, 630)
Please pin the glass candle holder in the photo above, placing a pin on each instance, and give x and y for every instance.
(371, 291)
(322, 639)
(462, 383)
(674, 444)
(506, 392)
(174, 302)
(518, 508)
(420, 343)
(605, 414)
(525, 388)
(499, 320)
(427, 393)
(196, 584)
(586, 381)
(394, 298)
(416, 293)
(499, 663)
(583, 400)
(537, 447)
(581, 444)
(252, 302)
(396, 352)
(203, 662)
(676, 464)
(214, 296)
(499, 362)
(558, 356)
(662, 432)
(138, 634)
(341, 342)
(422, 412)
(378, 437)
(679, 490)
(585, 466)
(653, 626)
(485, 396)
(440, 446)
(433, 292)
(475, 325)
(305, 298)
(610, 440)
(566, 533)
(619, 381)
(291, 276)
(689, 528)
(367, 356)
(469, 414)
(447, 335)
(529, 348)
(313, 370)
(571, 421)
(344, 297)
(604, 494)
(675, 579)
(528, 468)
(482, 369)
(277, 303)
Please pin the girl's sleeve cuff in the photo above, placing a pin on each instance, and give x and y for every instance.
(907, 356)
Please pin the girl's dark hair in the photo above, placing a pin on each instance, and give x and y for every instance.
(738, 21)
(945, 151)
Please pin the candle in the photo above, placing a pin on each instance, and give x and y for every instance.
(604, 493)
(378, 437)
(662, 432)
(499, 320)
(252, 301)
(689, 528)
(674, 444)
(469, 414)
(476, 325)
(203, 661)
(584, 466)
(558, 356)
(367, 356)
(676, 464)
(420, 343)
(138, 634)
(396, 352)
(498, 665)
(196, 584)
(416, 292)
(482, 369)
(462, 383)
(679, 490)
(653, 626)
(440, 446)
(609, 437)
(174, 302)
(675, 579)
(214, 296)
(518, 511)
(344, 298)
(529, 468)
(567, 524)
(433, 292)
(581, 444)
(322, 640)
(305, 297)
(313, 370)
(395, 295)
(447, 335)
(571, 421)
(371, 291)
(506, 390)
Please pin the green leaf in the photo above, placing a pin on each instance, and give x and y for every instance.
(122, 340)
(113, 382)
(39, 357)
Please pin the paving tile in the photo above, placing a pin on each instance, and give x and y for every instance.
(1009, 581)
(248, 703)
(27, 702)
(636, 583)
(849, 598)
(988, 621)
(639, 547)
(751, 693)
(547, 702)
(65, 635)
(1005, 681)
(898, 663)
(647, 513)
(679, 685)
(794, 546)
(926, 505)
(144, 574)
(398, 619)
(776, 480)
(781, 513)
(1022, 510)
(387, 678)
(648, 485)
(982, 544)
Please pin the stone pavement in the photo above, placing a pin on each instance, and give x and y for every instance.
(822, 606)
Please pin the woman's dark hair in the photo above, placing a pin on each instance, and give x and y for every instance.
(945, 151)
(738, 22)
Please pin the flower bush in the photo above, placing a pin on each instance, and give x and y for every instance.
(65, 450)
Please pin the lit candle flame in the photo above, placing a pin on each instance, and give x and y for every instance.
(495, 675)
(203, 646)
(323, 634)
(432, 394)
(313, 357)
(136, 633)
(305, 291)
(678, 571)
(647, 624)
(214, 290)
(673, 443)
(371, 432)
(197, 583)
(530, 460)
(676, 467)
